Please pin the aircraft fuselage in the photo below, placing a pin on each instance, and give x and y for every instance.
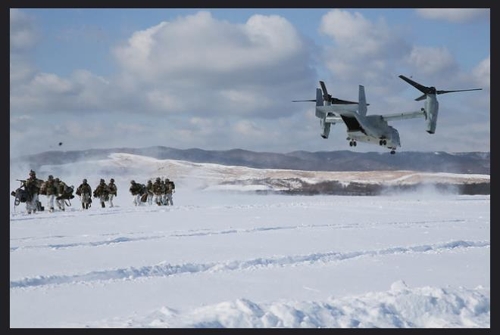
(372, 129)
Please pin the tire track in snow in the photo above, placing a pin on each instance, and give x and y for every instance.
(165, 269)
(207, 232)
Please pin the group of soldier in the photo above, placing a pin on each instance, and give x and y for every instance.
(56, 190)
(58, 193)
(160, 192)
(105, 193)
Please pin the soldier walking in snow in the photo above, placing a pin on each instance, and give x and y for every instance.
(113, 191)
(62, 193)
(49, 189)
(151, 194)
(136, 190)
(102, 192)
(85, 193)
(169, 189)
(32, 186)
(158, 190)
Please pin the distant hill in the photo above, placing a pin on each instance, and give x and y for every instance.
(465, 162)
(124, 167)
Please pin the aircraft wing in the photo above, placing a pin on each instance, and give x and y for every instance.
(403, 116)
(350, 119)
(334, 119)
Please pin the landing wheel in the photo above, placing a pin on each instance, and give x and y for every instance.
(393, 152)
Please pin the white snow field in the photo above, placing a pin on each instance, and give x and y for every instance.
(226, 257)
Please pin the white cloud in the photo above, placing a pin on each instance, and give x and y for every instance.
(360, 37)
(248, 128)
(482, 74)
(199, 45)
(360, 48)
(199, 67)
(455, 15)
(49, 93)
(431, 61)
(23, 34)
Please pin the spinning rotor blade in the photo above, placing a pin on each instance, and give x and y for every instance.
(328, 97)
(421, 88)
(431, 90)
(342, 102)
(470, 89)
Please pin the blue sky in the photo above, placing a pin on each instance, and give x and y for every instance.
(219, 79)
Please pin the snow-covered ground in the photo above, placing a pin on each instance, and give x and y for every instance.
(240, 260)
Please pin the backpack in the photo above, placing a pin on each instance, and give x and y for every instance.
(20, 195)
(143, 190)
(43, 188)
(68, 193)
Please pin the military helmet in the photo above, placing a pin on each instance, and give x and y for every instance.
(150, 182)
(32, 173)
(158, 179)
(51, 177)
(132, 181)
(85, 181)
(111, 180)
(102, 181)
(57, 180)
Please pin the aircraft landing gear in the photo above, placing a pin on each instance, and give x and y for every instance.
(382, 142)
(393, 152)
(352, 143)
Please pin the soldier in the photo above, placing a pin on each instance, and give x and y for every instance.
(113, 191)
(64, 192)
(60, 189)
(50, 191)
(32, 186)
(137, 190)
(149, 189)
(170, 189)
(102, 192)
(158, 191)
(85, 193)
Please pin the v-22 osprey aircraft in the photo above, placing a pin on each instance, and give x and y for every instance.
(373, 128)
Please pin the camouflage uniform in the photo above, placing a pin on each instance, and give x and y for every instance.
(158, 190)
(50, 191)
(85, 193)
(60, 188)
(32, 186)
(169, 190)
(102, 192)
(151, 194)
(113, 191)
(137, 191)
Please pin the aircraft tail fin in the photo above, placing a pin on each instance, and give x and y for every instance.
(362, 101)
(319, 97)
